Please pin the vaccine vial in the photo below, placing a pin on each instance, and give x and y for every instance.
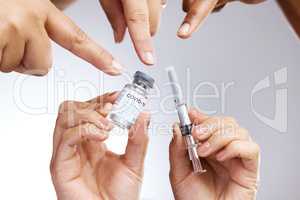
(131, 101)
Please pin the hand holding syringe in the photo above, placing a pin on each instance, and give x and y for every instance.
(185, 122)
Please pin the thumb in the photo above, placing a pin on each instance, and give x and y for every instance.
(137, 144)
(180, 164)
(67, 34)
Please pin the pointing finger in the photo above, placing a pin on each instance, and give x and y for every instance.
(198, 11)
(137, 18)
(63, 31)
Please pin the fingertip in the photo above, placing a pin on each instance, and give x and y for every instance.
(145, 50)
(119, 35)
(184, 31)
(148, 57)
(115, 68)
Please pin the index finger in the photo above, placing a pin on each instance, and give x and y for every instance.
(137, 18)
(63, 31)
(198, 11)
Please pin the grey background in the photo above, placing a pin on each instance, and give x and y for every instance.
(241, 44)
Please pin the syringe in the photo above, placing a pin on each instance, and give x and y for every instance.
(185, 122)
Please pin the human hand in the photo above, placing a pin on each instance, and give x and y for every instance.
(142, 20)
(82, 167)
(25, 47)
(228, 154)
(198, 10)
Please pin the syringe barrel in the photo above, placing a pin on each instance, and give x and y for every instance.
(183, 114)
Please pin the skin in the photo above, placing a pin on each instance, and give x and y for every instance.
(228, 154)
(142, 20)
(82, 167)
(198, 10)
(26, 30)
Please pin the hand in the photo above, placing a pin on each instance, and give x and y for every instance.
(82, 167)
(142, 19)
(25, 47)
(198, 10)
(228, 154)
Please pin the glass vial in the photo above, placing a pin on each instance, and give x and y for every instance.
(131, 100)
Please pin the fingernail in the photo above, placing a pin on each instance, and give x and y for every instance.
(148, 57)
(184, 29)
(203, 149)
(116, 65)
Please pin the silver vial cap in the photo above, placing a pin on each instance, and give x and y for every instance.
(141, 78)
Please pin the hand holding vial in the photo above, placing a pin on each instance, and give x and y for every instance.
(82, 167)
(228, 153)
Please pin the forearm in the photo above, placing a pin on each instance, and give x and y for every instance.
(62, 4)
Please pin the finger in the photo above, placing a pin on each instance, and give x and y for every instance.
(12, 54)
(76, 135)
(73, 118)
(76, 117)
(179, 160)
(137, 18)
(252, 1)
(220, 139)
(137, 144)
(210, 125)
(199, 10)
(196, 116)
(63, 31)
(247, 151)
(67, 155)
(105, 110)
(38, 44)
(155, 8)
(114, 13)
(103, 99)
(95, 151)
(186, 4)
(92, 104)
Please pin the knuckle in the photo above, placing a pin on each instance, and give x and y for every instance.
(138, 16)
(102, 53)
(10, 26)
(77, 39)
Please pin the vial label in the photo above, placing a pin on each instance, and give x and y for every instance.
(127, 107)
